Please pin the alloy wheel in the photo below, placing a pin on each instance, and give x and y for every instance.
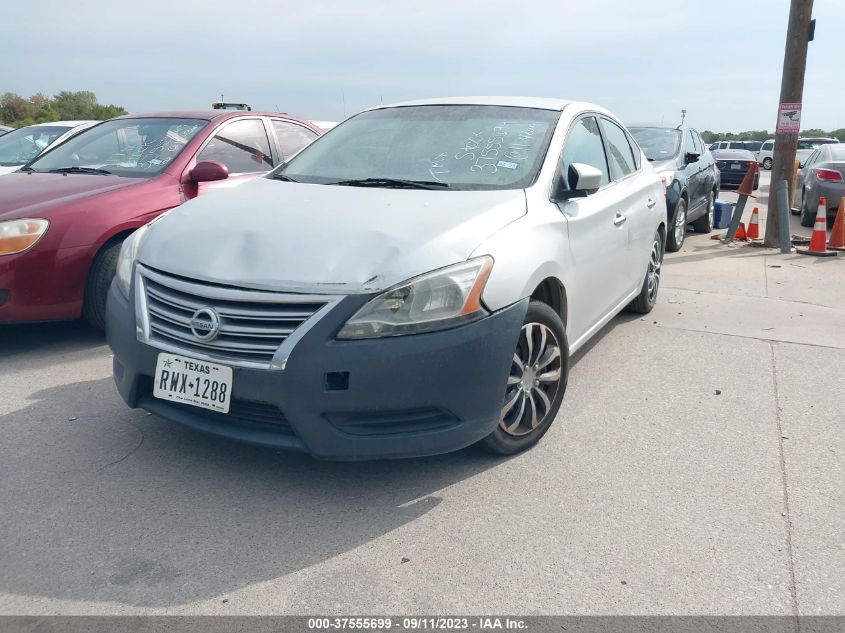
(655, 262)
(680, 225)
(533, 382)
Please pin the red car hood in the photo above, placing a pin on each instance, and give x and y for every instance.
(29, 194)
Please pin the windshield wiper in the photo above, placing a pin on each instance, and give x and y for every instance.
(281, 176)
(79, 170)
(27, 169)
(396, 183)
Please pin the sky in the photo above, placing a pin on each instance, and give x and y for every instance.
(644, 60)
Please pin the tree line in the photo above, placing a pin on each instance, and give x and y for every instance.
(762, 135)
(18, 111)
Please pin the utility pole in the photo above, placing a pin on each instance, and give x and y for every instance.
(789, 116)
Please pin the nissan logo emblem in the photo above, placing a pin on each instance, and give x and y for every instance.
(205, 324)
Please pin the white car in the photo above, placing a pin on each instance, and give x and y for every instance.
(19, 147)
(409, 284)
(806, 146)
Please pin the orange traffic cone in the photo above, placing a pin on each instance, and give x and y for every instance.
(746, 187)
(753, 232)
(740, 232)
(837, 235)
(819, 237)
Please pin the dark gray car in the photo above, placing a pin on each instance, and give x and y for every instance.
(822, 175)
(689, 174)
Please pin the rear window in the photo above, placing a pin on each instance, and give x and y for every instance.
(837, 153)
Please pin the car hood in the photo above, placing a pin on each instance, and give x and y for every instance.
(26, 194)
(324, 238)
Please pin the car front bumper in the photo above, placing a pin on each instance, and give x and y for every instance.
(42, 285)
(404, 396)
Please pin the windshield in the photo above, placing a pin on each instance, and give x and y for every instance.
(127, 147)
(24, 144)
(658, 143)
(467, 147)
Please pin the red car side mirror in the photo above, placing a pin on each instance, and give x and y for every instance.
(208, 171)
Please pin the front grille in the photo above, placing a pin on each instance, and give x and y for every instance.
(252, 324)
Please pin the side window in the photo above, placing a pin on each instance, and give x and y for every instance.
(813, 158)
(619, 153)
(767, 146)
(583, 145)
(291, 137)
(242, 146)
(696, 139)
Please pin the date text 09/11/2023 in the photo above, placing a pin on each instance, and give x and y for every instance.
(416, 623)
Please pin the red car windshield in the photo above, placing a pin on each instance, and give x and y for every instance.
(136, 148)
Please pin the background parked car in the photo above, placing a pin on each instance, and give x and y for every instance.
(689, 174)
(64, 216)
(733, 165)
(22, 145)
(751, 146)
(808, 145)
(823, 174)
(765, 154)
(4, 129)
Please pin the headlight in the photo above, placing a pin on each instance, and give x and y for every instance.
(17, 236)
(126, 259)
(435, 301)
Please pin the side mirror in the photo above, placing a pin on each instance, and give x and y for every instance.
(208, 171)
(580, 181)
(691, 157)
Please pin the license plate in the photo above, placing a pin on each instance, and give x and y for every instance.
(736, 166)
(195, 382)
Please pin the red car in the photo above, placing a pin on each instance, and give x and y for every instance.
(64, 216)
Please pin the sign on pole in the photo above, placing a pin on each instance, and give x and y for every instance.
(789, 118)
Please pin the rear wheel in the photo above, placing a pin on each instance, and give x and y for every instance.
(808, 216)
(535, 386)
(645, 301)
(97, 289)
(767, 163)
(678, 227)
(704, 224)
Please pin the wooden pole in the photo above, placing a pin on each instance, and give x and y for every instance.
(791, 92)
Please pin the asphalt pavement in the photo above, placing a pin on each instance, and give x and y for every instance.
(697, 467)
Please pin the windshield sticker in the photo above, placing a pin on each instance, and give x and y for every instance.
(506, 165)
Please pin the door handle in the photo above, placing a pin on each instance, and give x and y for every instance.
(650, 204)
(619, 220)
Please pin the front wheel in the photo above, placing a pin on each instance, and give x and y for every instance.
(645, 301)
(677, 228)
(97, 289)
(534, 389)
(767, 163)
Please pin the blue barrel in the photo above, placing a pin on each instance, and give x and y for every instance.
(723, 212)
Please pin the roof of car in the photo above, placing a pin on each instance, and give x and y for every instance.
(520, 102)
(733, 153)
(207, 115)
(64, 123)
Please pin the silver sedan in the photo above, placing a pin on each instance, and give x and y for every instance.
(413, 282)
(823, 176)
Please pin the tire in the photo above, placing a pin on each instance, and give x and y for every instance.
(767, 163)
(808, 218)
(645, 301)
(521, 424)
(97, 289)
(676, 231)
(704, 224)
